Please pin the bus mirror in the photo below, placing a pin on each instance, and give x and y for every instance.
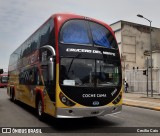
(51, 69)
(1, 71)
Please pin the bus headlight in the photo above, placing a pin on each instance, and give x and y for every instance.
(65, 101)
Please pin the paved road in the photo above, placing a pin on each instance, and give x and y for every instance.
(20, 115)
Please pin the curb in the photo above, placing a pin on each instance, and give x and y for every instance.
(140, 106)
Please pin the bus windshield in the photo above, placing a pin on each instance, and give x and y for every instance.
(87, 32)
(89, 72)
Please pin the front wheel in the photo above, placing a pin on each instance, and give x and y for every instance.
(40, 110)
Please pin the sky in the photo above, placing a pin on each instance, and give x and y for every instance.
(20, 18)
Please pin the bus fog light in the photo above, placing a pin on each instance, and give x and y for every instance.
(64, 99)
(70, 111)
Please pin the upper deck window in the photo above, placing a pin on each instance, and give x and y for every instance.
(84, 32)
(74, 32)
(100, 35)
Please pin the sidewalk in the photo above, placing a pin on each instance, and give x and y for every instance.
(142, 101)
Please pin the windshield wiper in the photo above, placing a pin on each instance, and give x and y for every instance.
(77, 56)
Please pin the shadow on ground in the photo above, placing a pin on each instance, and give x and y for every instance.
(69, 125)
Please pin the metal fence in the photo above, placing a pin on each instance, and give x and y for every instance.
(138, 82)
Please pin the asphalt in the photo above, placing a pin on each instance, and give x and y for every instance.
(142, 101)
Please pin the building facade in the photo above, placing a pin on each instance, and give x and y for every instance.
(134, 44)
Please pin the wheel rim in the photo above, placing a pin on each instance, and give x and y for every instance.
(40, 108)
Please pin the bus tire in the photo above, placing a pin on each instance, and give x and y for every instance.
(40, 109)
(10, 93)
(13, 98)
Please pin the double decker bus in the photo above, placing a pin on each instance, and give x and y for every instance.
(3, 80)
(69, 68)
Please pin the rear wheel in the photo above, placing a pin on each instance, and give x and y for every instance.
(13, 98)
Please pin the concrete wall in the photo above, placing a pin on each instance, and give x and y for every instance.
(156, 39)
(117, 29)
(116, 26)
(134, 42)
(134, 45)
(156, 59)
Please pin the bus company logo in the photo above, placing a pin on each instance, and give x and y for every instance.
(6, 130)
(90, 51)
(95, 103)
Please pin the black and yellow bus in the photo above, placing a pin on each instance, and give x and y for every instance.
(69, 68)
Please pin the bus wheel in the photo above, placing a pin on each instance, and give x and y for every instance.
(40, 110)
(13, 98)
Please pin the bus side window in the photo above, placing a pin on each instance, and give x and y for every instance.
(38, 77)
(21, 78)
(35, 78)
(26, 76)
(31, 77)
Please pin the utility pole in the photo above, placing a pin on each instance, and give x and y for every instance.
(150, 51)
(147, 76)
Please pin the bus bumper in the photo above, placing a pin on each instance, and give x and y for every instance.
(87, 111)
